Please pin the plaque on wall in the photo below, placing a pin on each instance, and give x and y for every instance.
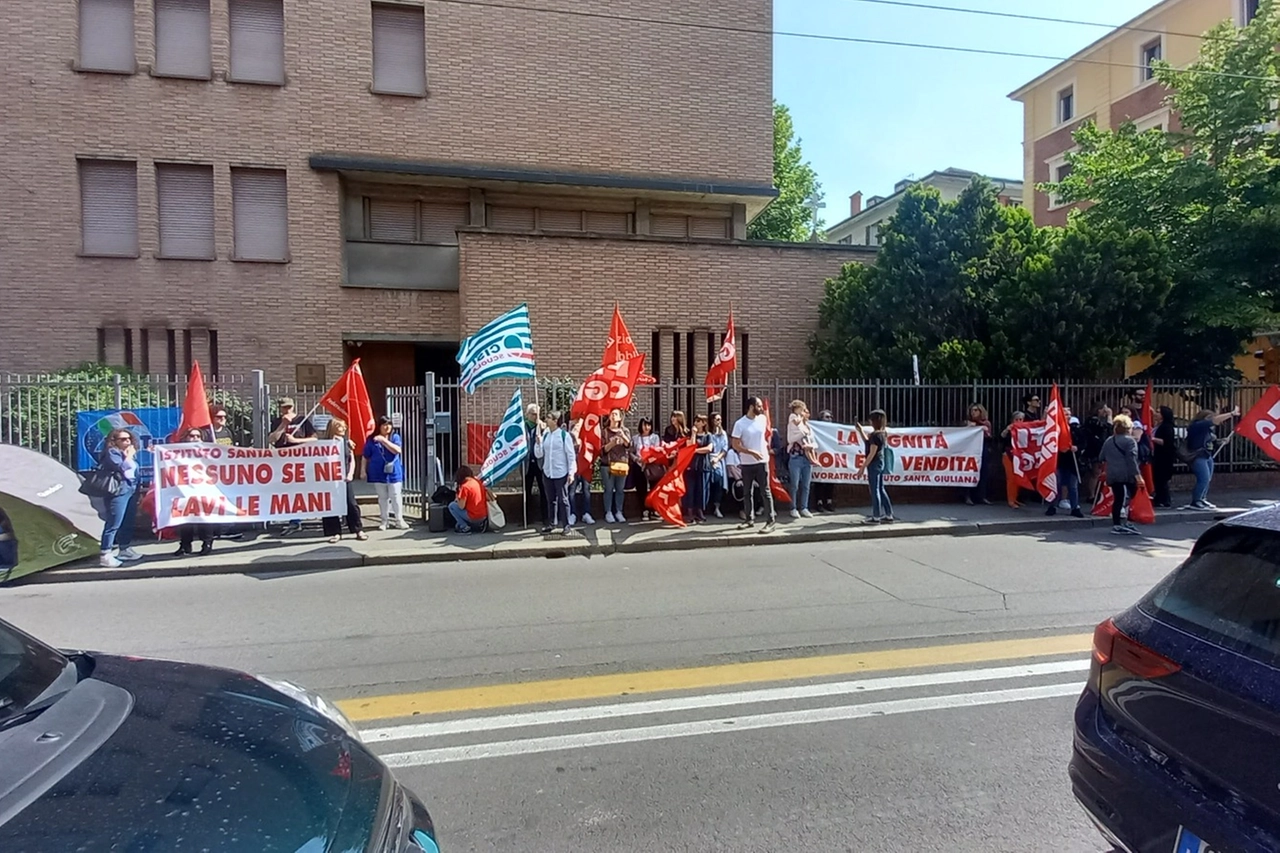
(311, 376)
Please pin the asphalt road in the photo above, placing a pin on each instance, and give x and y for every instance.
(889, 695)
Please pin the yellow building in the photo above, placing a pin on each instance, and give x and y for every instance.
(1109, 83)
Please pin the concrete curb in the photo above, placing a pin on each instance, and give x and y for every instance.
(602, 542)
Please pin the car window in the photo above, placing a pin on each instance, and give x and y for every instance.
(27, 669)
(1228, 592)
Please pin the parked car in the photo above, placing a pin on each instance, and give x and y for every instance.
(106, 753)
(1178, 730)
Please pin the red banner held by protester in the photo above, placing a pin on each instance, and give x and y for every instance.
(479, 440)
(1261, 424)
(619, 347)
(195, 408)
(665, 497)
(1026, 440)
(1047, 458)
(609, 387)
(726, 362)
(590, 445)
(780, 492)
(349, 399)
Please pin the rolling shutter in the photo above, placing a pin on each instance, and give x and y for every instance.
(260, 208)
(440, 222)
(668, 226)
(257, 40)
(604, 222)
(106, 35)
(109, 207)
(185, 195)
(511, 218)
(182, 38)
(399, 50)
(393, 221)
(712, 227)
(560, 220)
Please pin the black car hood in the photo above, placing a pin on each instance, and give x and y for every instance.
(207, 759)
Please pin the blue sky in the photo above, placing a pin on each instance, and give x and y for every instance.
(870, 115)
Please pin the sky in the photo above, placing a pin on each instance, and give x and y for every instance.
(868, 116)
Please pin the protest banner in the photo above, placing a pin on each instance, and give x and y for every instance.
(1029, 452)
(923, 456)
(209, 482)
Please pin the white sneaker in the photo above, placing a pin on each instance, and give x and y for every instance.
(108, 561)
(795, 513)
(618, 519)
(402, 525)
(382, 526)
(587, 519)
(128, 555)
(573, 519)
(804, 513)
(719, 514)
(608, 518)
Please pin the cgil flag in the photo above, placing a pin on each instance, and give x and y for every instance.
(349, 399)
(620, 347)
(1047, 469)
(510, 444)
(726, 362)
(503, 347)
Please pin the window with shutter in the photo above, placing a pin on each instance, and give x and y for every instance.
(661, 225)
(511, 218)
(399, 50)
(185, 197)
(392, 221)
(257, 40)
(182, 38)
(440, 222)
(711, 227)
(559, 220)
(106, 35)
(260, 209)
(109, 208)
(605, 222)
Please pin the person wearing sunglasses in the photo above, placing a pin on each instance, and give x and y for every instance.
(119, 512)
(218, 432)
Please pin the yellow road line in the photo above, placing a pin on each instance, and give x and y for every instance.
(703, 677)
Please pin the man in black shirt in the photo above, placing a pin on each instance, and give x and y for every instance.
(219, 432)
(286, 431)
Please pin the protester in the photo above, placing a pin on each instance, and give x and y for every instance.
(802, 449)
(219, 432)
(1069, 467)
(1200, 447)
(873, 465)
(717, 478)
(615, 443)
(1097, 429)
(384, 468)
(1120, 455)
(1011, 486)
(533, 425)
(750, 439)
(1031, 407)
(1164, 454)
(978, 417)
(694, 502)
(187, 533)
(824, 493)
(332, 524)
(646, 474)
(118, 513)
(676, 430)
(470, 510)
(559, 459)
(286, 431)
(580, 487)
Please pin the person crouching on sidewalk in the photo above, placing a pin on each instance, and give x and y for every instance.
(470, 511)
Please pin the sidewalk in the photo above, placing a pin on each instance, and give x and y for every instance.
(268, 553)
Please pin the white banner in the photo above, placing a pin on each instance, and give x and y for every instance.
(198, 483)
(923, 456)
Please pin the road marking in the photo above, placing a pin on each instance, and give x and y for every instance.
(704, 678)
(670, 731)
(715, 700)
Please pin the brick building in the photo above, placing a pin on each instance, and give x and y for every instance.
(285, 185)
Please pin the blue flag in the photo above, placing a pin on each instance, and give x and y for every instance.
(504, 347)
(510, 444)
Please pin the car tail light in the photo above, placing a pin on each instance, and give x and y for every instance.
(1111, 645)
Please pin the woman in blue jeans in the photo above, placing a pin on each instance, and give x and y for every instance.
(801, 450)
(874, 466)
(119, 512)
(1200, 445)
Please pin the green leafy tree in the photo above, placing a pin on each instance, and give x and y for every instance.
(788, 218)
(1209, 193)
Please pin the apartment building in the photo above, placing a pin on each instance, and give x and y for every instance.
(1108, 83)
(864, 223)
(287, 185)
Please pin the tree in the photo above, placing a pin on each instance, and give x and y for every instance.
(975, 289)
(1209, 193)
(788, 217)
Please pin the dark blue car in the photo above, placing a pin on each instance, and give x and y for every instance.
(1177, 740)
(107, 753)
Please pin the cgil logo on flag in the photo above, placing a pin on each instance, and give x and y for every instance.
(510, 444)
(504, 347)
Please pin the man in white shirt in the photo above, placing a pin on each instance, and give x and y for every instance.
(750, 439)
(558, 458)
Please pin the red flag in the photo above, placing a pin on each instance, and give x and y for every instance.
(195, 408)
(726, 362)
(1047, 459)
(665, 497)
(479, 441)
(349, 399)
(609, 387)
(780, 492)
(619, 347)
(590, 445)
(1025, 438)
(1261, 424)
(661, 454)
